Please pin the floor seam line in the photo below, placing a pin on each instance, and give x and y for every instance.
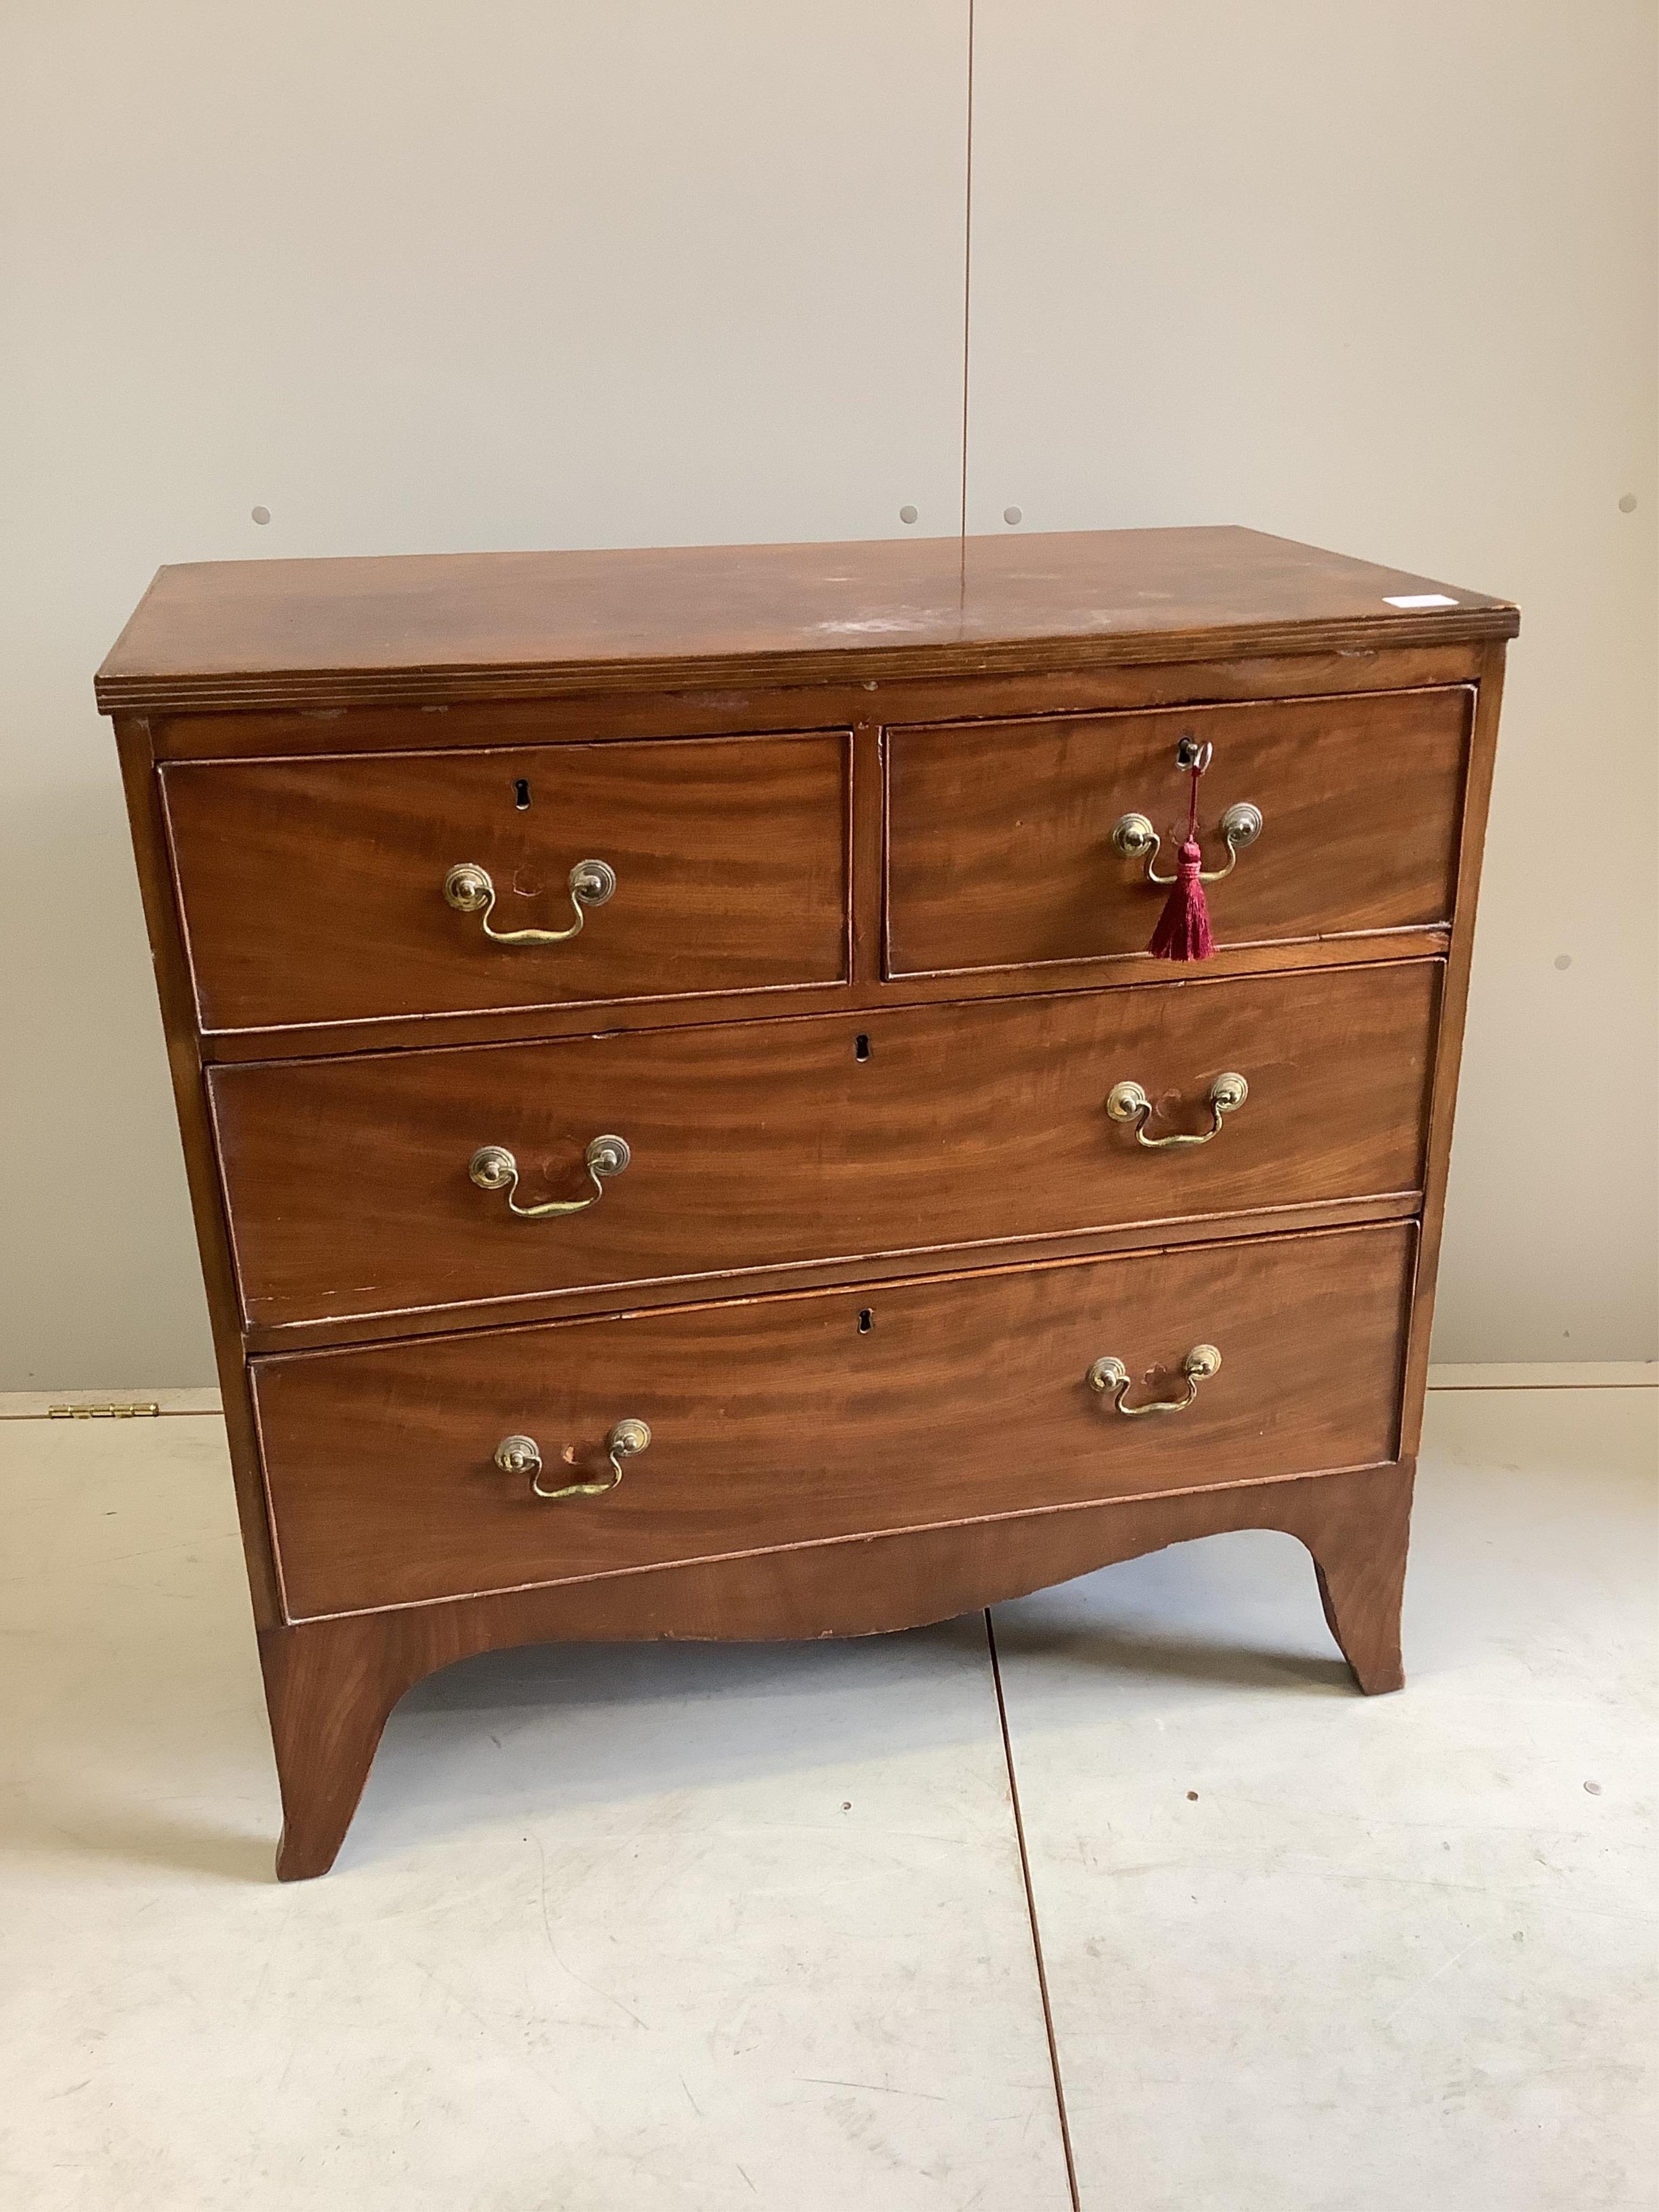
(1031, 1915)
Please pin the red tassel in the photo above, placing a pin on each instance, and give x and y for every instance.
(1183, 927)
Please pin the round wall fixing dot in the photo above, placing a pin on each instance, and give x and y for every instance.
(906, 514)
(262, 514)
(1011, 514)
(1627, 504)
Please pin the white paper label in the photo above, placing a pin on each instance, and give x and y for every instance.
(1420, 599)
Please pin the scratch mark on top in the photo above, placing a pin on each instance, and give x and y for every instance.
(882, 623)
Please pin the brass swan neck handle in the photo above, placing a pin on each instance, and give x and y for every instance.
(1112, 1376)
(1133, 835)
(522, 1456)
(492, 1167)
(1127, 1102)
(469, 889)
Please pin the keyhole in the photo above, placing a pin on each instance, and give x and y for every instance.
(861, 1047)
(521, 792)
(867, 1321)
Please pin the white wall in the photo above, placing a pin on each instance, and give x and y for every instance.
(419, 276)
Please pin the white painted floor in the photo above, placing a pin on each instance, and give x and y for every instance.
(690, 1929)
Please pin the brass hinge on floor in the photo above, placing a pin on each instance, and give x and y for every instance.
(146, 1411)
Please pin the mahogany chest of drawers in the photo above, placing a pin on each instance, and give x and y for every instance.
(686, 1135)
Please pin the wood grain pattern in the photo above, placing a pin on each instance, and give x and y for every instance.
(623, 716)
(417, 1321)
(775, 1144)
(444, 626)
(331, 1683)
(532, 1024)
(998, 848)
(312, 890)
(756, 708)
(784, 1420)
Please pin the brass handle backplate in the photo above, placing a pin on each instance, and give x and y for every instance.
(1109, 1375)
(1133, 835)
(492, 1167)
(1127, 1102)
(522, 1456)
(469, 890)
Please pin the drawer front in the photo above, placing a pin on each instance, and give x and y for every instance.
(1000, 849)
(788, 1419)
(314, 890)
(771, 1144)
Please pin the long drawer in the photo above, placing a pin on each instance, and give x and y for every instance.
(1006, 848)
(789, 1419)
(327, 889)
(352, 1182)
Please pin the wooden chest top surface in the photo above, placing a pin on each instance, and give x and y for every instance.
(248, 634)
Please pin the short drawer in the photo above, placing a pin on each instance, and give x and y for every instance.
(792, 1420)
(1000, 848)
(760, 1144)
(315, 891)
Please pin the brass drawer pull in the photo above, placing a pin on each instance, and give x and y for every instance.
(522, 1456)
(1108, 1374)
(492, 1167)
(1127, 1102)
(467, 887)
(1134, 835)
